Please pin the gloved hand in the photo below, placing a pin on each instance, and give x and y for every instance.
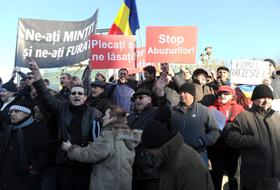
(226, 130)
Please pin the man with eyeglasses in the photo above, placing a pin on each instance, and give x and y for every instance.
(76, 122)
(145, 174)
(256, 134)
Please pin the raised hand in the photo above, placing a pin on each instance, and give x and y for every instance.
(32, 65)
(66, 145)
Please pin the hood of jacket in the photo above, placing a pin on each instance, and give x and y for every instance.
(121, 131)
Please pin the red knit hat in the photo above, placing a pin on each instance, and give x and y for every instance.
(226, 89)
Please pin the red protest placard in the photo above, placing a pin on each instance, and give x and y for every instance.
(141, 59)
(171, 44)
(112, 51)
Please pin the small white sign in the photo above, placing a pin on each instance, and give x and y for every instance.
(248, 71)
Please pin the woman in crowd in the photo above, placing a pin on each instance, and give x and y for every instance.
(112, 154)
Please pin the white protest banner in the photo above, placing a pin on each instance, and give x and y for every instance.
(54, 43)
(250, 72)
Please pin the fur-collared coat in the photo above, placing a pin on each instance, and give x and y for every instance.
(112, 155)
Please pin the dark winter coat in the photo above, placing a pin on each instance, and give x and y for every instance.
(197, 126)
(256, 133)
(89, 121)
(182, 168)
(144, 163)
(15, 174)
(275, 84)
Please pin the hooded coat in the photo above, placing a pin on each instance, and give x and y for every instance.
(112, 155)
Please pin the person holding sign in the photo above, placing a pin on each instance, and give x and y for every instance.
(274, 80)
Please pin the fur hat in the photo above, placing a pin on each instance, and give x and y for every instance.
(261, 91)
(10, 86)
(188, 87)
(155, 135)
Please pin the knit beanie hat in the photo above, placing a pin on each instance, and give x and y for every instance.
(23, 106)
(261, 91)
(155, 135)
(10, 86)
(188, 87)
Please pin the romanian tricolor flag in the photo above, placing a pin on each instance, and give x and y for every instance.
(126, 22)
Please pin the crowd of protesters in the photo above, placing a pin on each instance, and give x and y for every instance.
(168, 131)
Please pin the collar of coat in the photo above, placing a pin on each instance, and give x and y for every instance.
(169, 150)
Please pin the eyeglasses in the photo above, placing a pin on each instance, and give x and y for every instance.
(75, 93)
(29, 78)
(223, 93)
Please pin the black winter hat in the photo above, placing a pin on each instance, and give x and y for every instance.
(262, 91)
(200, 71)
(188, 87)
(98, 83)
(155, 135)
(270, 61)
(142, 91)
(10, 86)
(223, 68)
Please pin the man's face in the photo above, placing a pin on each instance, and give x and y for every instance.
(5, 95)
(107, 118)
(142, 101)
(65, 81)
(96, 91)
(201, 78)
(123, 75)
(224, 97)
(187, 74)
(186, 98)
(164, 67)
(263, 102)
(16, 116)
(148, 76)
(29, 79)
(99, 77)
(223, 75)
(77, 96)
(22, 84)
(271, 69)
